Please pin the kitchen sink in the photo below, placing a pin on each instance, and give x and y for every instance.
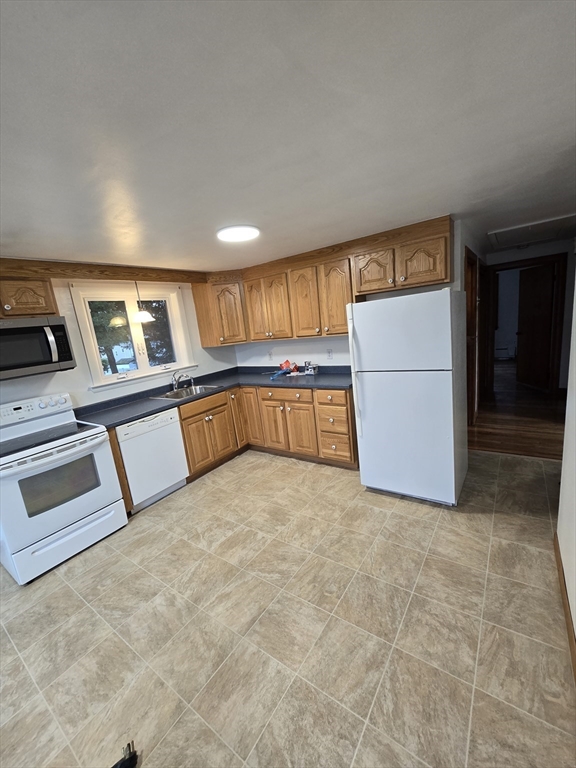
(181, 394)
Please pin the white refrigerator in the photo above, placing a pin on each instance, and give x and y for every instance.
(408, 359)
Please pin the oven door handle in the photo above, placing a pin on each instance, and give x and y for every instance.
(56, 457)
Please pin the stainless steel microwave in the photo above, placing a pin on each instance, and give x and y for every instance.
(33, 345)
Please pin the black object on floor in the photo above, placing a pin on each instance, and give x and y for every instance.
(129, 757)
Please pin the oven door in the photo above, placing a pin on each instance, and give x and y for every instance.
(55, 488)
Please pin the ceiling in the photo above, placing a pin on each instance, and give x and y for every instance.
(131, 131)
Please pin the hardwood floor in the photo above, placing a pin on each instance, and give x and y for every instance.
(519, 419)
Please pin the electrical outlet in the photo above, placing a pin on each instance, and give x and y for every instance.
(270, 355)
(330, 354)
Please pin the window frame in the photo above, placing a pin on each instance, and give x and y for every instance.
(120, 290)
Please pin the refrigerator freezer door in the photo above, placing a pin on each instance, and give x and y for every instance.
(403, 333)
(407, 441)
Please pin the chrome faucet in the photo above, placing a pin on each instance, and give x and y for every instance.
(176, 379)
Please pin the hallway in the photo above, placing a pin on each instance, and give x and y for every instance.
(518, 419)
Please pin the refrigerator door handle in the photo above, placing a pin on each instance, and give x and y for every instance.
(355, 388)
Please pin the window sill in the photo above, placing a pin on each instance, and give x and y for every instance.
(119, 383)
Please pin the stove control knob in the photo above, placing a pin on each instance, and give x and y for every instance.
(61, 400)
(41, 404)
(51, 403)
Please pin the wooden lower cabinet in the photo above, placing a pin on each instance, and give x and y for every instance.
(301, 427)
(253, 418)
(274, 422)
(236, 400)
(198, 443)
(208, 429)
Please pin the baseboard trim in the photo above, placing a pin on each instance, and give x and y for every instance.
(566, 604)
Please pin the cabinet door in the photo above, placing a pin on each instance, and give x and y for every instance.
(335, 293)
(198, 442)
(251, 403)
(256, 309)
(222, 431)
(278, 306)
(237, 405)
(304, 302)
(274, 421)
(374, 271)
(422, 263)
(301, 425)
(229, 314)
(26, 297)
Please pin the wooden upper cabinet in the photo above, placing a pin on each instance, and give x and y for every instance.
(229, 313)
(278, 306)
(20, 297)
(256, 309)
(268, 307)
(305, 302)
(423, 262)
(335, 292)
(374, 271)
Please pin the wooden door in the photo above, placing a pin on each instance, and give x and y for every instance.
(335, 292)
(304, 302)
(278, 306)
(374, 271)
(198, 442)
(256, 309)
(222, 431)
(274, 422)
(237, 405)
(535, 314)
(229, 314)
(20, 298)
(422, 263)
(253, 423)
(301, 425)
(471, 286)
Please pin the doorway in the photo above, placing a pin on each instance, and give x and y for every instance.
(521, 405)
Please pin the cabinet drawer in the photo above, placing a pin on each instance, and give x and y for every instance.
(333, 418)
(331, 397)
(335, 447)
(201, 406)
(286, 395)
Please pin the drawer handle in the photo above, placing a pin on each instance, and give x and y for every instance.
(298, 396)
(331, 421)
(333, 447)
(206, 418)
(210, 417)
(269, 394)
(329, 397)
(232, 397)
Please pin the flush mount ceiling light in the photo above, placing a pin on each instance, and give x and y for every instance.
(142, 316)
(238, 234)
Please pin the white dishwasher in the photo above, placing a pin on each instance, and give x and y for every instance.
(154, 456)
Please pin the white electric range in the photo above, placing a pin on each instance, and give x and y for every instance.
(59, 490)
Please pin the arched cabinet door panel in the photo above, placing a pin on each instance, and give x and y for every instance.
(335, 292)
(229, 314)
(374, 271)
(256, 309)
(278, 306)
(421, 263)
(305, 302)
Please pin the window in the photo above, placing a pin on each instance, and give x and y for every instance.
(117, 345)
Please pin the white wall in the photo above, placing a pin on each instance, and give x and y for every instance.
(567, 509)
(295, 350)
(508, 293)
(548, 249)
(78, 380)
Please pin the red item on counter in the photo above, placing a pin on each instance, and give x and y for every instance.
(287, 364)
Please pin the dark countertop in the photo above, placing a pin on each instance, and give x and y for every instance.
(122, 410)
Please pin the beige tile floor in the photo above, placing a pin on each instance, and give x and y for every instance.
(275, 613)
